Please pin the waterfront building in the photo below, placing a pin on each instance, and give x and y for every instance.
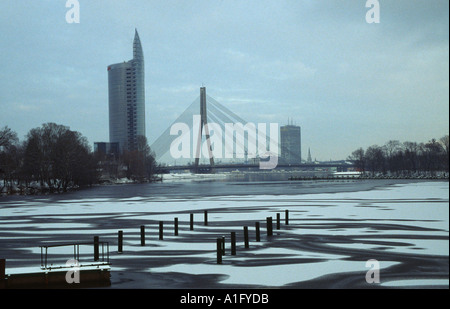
(290, 142)
(126, 90)
(106, 148)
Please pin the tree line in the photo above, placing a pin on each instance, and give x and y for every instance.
(54, 158)
(404, 159)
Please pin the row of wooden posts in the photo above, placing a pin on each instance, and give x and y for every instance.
(220, 240)
(269, 231)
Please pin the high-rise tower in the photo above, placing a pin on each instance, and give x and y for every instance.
(127, 99)
(290, 136)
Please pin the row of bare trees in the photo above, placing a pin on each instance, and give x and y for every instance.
(54, 158)
(408, 158)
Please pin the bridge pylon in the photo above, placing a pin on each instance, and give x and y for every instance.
(203, 124)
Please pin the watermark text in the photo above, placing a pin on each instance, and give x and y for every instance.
(73, 275)
(73, 14)
(235, 141)
(373, 274)
(373, 14)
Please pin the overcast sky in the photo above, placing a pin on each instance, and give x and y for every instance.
(347, 83)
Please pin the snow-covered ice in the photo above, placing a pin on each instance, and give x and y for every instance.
(329, 234)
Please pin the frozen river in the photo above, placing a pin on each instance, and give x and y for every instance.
(334, 228)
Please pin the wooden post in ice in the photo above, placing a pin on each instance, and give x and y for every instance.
(206, 217)
(233, 243)
(191, 224)
(246, 237)
(2, 269)
(96, 251)
(219, 250)
(176, 226)
(223, 245)
(142, 235)
(278, 221)
(120, 242)
(269, 226)
(258, 233)
(286, 217)
(161, 227)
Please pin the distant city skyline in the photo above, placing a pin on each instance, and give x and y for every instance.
(346, 82)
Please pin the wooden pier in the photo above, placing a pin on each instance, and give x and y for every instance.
(71, 275)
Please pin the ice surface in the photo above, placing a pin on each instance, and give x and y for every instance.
(329, 233)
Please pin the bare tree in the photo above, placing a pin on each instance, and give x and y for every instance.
(359, 159)
(393, 152)
(411, 156)
(445, 146)
(7, 137)
(58, 157)
(375, 159)
(433, 154)
(141, 164)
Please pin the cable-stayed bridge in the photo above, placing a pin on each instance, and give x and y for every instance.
(208, 136)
